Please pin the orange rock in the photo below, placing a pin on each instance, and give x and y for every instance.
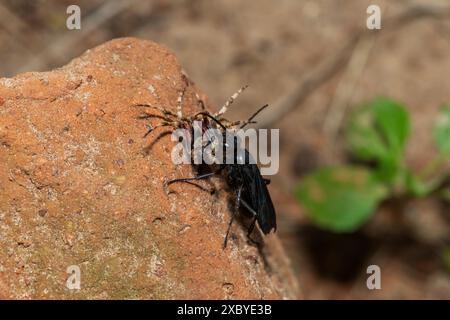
(80, 186)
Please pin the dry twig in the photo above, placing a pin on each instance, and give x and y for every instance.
(336, 62)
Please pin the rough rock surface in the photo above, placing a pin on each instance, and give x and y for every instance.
(80, 186)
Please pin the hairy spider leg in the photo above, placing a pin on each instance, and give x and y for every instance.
(162, 110)
(146, 115)
(173, 124)
(180, 104)
(200, 102)
(229, 102)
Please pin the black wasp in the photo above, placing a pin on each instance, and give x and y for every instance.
(243, 176)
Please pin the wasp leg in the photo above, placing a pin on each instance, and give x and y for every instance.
(234, 213)
(210, 191)
(252, 225)
(189, 180)
(251, 228)
(202, 176)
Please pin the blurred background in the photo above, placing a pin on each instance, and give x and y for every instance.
(312, 60)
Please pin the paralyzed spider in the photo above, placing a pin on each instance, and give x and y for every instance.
(243, 176)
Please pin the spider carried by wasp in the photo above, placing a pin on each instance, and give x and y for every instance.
(243, 177)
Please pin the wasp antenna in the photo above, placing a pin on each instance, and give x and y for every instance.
(250, 120)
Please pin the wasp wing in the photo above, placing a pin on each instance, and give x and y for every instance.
(256, 194)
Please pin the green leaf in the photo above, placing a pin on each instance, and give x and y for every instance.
(441, 131)
(340, 199)
(378, 131)
(363, 137)
(394, 123)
